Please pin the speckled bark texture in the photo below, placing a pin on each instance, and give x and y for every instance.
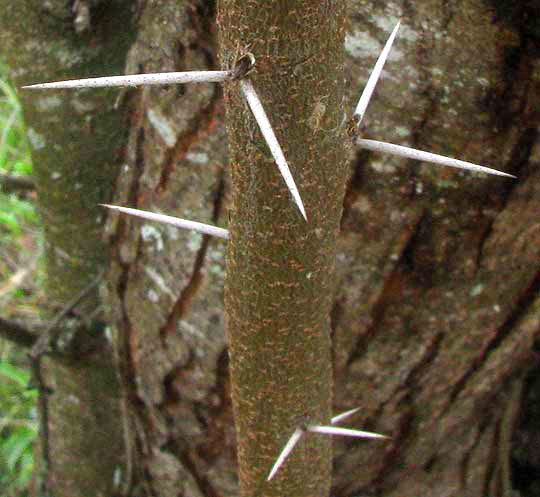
(280, 268)
(435, 309)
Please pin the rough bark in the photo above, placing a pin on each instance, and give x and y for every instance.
(74, 138)
(280, 268)
(436, 309)
(166, 286)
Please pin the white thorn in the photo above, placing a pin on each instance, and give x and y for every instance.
(332, 430)
(374, 77)
(343, 415)
(174, 221)
(412, 153)
(165, 78)
(268, 133)
(289, 446)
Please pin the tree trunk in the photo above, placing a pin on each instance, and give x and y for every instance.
(438, 303)
(280, 267)
(75, 139)
(436, 309)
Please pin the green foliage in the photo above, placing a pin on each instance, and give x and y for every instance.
(14, 147)
(15, 212)
(15, 160)
(18, 429)
(19, 239)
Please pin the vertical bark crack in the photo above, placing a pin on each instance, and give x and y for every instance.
(391, 283)
(504, 331)
(206, 123)
(182, 304)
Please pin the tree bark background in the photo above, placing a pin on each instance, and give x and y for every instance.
(436, 314)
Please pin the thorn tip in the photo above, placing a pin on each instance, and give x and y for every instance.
(257, 109)
(374, 77)
(412, 153)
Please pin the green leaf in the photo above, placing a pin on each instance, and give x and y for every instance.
(15, 445)
(15, 374)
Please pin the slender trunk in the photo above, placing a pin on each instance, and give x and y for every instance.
(280, 268)
(75, 138)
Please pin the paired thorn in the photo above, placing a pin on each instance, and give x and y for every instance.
(289, 446)
(241, 70)
(399, 150)
(374, 78)
(268, 133)
(344, 415)
(326, 430)
(332, 430)
(165, 78)
(412, 153)
(205, 229)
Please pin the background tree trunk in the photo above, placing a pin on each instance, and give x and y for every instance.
(76, 139)
(437, 309)
(438, 303)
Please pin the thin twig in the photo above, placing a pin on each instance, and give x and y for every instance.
(16, 183)
(39, 349)
(16, 333)
(47, 337)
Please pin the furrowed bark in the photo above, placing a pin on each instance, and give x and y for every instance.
(280, 268)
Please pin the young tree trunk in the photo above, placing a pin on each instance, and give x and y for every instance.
(280, 267)
(436, 309)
